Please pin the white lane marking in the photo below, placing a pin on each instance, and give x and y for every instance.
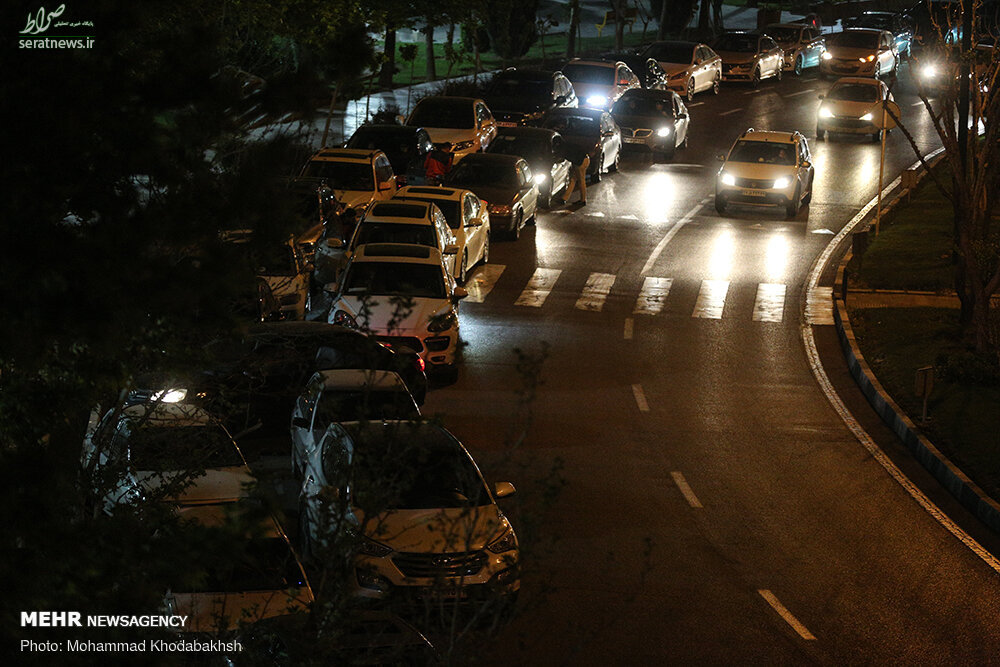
(726, 113)
(483, 281)
(917, 104)
(595, 291)
(595, 214)
(652, 296)
(822, 230)
(751, 92)
(686, 490)
(538, 288)
(819, 305)
(785, 614)
(653, 256)
(770, 303)
(629, 325)
(809, 342)
(640, 398)
(801, 92)
(711, 299)
(695, 104)
(629, 217)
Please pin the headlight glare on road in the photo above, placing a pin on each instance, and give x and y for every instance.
(597, 101)
(728, 179)
(867, 116)
(781, 183)
(825, 113)
(663, 132)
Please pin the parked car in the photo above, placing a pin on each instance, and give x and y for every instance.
(900, 25)
(404, 296)
(802, 44)
(523, 96)
(766, 168)
(542, 149)
(428, 523)
(464, 122)
(283, 267)
(654, 120)
(405, 146)
(749, 56)
(853, 105)
(357, 177)
(593, 130)
(859, 52)
(343, 395)
(651, 74)
(599, 83)
(505, 183)
(691, 67)
(467, 217)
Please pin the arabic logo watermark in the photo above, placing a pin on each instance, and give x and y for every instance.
(40, 22)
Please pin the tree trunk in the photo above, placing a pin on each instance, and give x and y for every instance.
(389, 64)
(703, 17)
(574, 28)
(661, 30)
(429, 43)
(619, 7)
(717, 26)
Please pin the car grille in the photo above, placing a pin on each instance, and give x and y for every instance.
(639, 132)
(755, 184)
(396, 342)
(462, 564)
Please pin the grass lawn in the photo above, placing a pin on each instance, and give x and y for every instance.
(964, 419)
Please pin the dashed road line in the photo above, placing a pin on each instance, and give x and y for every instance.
(629, 325)
(640, 398)
(785, 614)
(595, 292)
(819, 305)
(482, 282)
(538, 288)
(726, 113)
(769, 305)
(685, 489)
(671, 233)
(652, 296)
(711, 299)
(801, 92)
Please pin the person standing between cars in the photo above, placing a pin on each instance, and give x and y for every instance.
(438, 163)
(578, 174)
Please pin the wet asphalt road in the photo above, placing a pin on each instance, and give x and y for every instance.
(686, 493)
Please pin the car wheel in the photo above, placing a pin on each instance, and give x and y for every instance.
(799, 65)
(792, 207)
(755, 78)
(486, 250)
(690, 90)
(720, 204)
(716, 84)
(515, 225)
(463, 271)
(596, 176)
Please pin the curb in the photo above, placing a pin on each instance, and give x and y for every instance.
(968, 494)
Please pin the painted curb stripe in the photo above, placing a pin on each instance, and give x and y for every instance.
(785, 614)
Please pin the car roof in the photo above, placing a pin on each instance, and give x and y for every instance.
(649, 93)
(393, 210)
(415, 192)
(488, 158)
(528, 74)
(595, 63)
(677, 42)
(359, 155)
(786, 25)
(581, 112)
(397, 252)
(773, 136)
(388, 128)
(456, 99)
(876, 31)
(168, 414)
(360, 378)
(525, 131)
(855, 80)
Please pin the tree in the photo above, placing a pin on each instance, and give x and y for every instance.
(511, 26)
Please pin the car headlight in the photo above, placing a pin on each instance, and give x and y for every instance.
(867, 116)
(781, 183)
(867, 59)
(369, 547)
(825, 113)
(827, 55)
(727, 179)
(663, 132)
(443, 323)
(462, 145)
(170, 395)
(506, 542)
(597, 101)
(499, 209)
(539, 178)
(929, 71)
(344, 318)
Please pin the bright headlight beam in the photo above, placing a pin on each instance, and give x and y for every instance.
(780, 183)
(728, 179)
(597, 100)
(663, 132)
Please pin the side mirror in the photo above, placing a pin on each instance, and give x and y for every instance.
(451, 249)
(300, 422)
(334, 243)
(460, 293)
(503, 490)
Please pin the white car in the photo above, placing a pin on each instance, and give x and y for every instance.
(467, 217)
(404, 296)
(599, 83)
(803, 45)
(859, 52)
(691, 67)
(346, 394)
(766, 168)
(432, 528)
(464, 122)
(853, 105)
(358, 177)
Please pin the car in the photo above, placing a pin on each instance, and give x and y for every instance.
(395, 221)
(358, 177)
(853, 105)
(283, 266)
(651, 74)
(341, 395)
(464, 122)
(467, 217)
(506, 185)
(542, 149)
(593, 130)
(523, 96)
(802, 44)
(654, 120)
(749, 56)
(900, 25)
(158, 445)
(766, 168)
(405, 146)
(599, 83)
(859, 52)
(430, 528)
(691, 67)
(937, 71)
(404, 296)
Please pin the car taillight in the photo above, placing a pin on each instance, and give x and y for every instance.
(420, 364)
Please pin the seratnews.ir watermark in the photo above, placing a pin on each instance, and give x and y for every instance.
(33, 35)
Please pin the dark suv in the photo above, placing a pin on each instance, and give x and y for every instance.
(523, 96)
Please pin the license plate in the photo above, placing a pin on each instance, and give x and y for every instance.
(506, 123)
(754, 193)
(633, 140)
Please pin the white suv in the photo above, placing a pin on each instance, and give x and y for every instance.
(357, 177)
(766, 168)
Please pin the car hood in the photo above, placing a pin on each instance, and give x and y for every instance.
(382, 311)
(216, 485)
(438, 530)
(591, 144)
(735, 57)
(849, 52)
(439, 135)
(759, 171)
(496, 194)
(217, 612)
(350, 198)
(652, 122)
(848, 108)
(674, 68)
(516, 104)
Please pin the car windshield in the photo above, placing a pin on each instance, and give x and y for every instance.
(342, 175)
(269, 260)
(784, 34)
(371, 231)
(470, 174)
(436, 112)
(738, 43)
(263, 564)
(395, 279)
(853, 92)
(156, 447)
(763, 152)
(513, 86)
(578, 126)
(341, 405)
(526, 147)
(854, 40)
(682, 54)
(879, 21)
(597, 74)
(629, 105)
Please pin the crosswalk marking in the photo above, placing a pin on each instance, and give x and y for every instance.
(538, 288)
(711, 299)
(482, 282)
(770, 303)
(819, 305)
(652, 296)
(595, 292)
